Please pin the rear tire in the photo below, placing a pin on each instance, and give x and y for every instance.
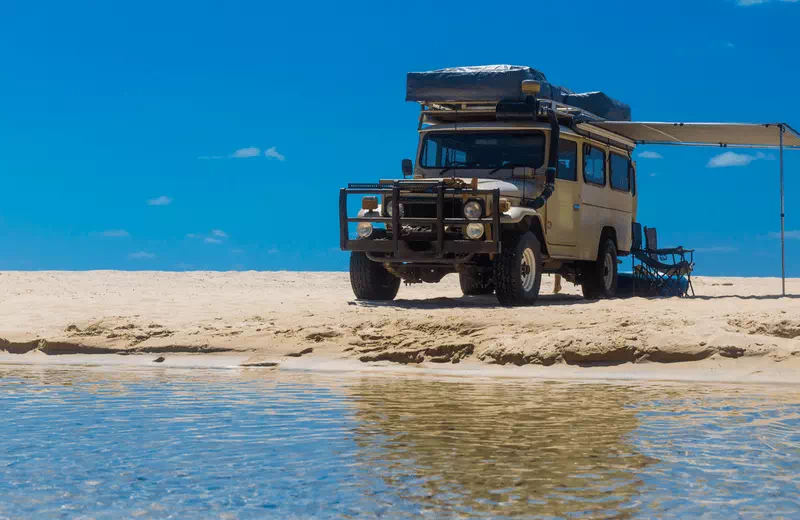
(600, 279)
(475, 282)
(370, 280)
(518, 271)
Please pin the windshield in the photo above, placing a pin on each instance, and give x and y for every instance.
(463, 150)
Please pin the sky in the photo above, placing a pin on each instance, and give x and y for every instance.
(215, 135)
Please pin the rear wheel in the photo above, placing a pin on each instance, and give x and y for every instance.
(370, 280)
(518, 271)
(600, 279)
(475, 282)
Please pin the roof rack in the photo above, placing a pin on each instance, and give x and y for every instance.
(462, 111)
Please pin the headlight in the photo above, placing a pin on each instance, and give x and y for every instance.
(390, 206)
(475, 231)
(364, 229)
(473, 210)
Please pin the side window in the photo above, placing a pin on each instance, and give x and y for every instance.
(620, 172)
(567, 160)
(594, 165)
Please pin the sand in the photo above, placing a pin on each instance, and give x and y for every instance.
(734, 329)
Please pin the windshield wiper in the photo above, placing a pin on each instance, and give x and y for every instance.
(509, 166)
(452, 165)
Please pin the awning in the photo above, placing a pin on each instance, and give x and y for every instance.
(734, 135)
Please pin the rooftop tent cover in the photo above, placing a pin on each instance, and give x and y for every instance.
(497, 82)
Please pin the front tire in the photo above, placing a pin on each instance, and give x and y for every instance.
(370, 280)
(475, 282)
(518, 271)
(600, 280)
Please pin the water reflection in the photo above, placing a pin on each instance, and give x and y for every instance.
(122, 442)
(550, 448)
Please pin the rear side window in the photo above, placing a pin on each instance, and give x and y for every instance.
(594, 165)
(620, 172)
(567, 160)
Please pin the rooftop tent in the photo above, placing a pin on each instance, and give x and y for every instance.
(493, 83)
(725, 135)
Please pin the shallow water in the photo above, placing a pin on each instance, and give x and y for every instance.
(83, 442)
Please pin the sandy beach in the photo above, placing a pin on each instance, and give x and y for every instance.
(735, 329)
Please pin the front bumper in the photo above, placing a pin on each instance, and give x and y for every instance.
(434, 246)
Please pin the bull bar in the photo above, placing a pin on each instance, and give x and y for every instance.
(488, 244)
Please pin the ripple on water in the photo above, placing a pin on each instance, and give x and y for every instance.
(248, 444)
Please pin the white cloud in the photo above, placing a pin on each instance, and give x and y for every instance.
(237, 251)
(243, 153)
(650, 155)
(141, 255)
(728, 159)
(116, 233)
(219, 233)
(163, 200)
(212, 240)
(273, 251)
(723, 44)
(192, 235)
(273, 153)
(746, 3)
(790, 235)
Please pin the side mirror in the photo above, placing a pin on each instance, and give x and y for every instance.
(407, 167)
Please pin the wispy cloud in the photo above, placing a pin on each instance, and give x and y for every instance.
(273, 153)
(243, 153)
(141, 255)
(650, 155)
(247, 153)
(116, 233)
(728, 159)
(746, 3)
(237, 251)
(163, 200)
(723, 45)
(793, 234)
(273, 251)
(215, 236)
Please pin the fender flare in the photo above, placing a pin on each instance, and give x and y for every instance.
(516, 214)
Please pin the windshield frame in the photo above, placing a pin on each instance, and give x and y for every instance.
(482, 131)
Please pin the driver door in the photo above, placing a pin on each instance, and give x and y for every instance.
(562, 213)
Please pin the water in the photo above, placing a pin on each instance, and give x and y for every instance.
(98, 443)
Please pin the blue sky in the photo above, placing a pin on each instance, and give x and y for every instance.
(214, 135)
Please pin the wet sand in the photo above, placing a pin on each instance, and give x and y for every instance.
(735, 329)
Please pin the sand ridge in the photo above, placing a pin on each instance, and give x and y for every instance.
(273, 316)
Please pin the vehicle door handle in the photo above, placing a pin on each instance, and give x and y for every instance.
(576, 207)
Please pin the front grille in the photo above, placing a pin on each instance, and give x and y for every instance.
(453, 208)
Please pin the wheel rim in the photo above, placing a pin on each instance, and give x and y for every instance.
(608, 271)
(528, 270)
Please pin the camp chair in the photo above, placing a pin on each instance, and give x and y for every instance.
(655, 274)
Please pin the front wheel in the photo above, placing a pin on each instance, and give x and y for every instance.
(518, 271)
(370, 280)
(600, 280)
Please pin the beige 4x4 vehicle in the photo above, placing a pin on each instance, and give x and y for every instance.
(500, 194)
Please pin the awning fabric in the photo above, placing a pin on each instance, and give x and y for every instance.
(747, 135)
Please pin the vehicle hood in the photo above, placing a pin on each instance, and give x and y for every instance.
(508, 188)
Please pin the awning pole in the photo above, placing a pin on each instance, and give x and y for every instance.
(783, 218)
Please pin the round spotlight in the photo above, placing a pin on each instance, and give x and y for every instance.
(475, 231)
(473, 210)
(364, 229)
(390, 208)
